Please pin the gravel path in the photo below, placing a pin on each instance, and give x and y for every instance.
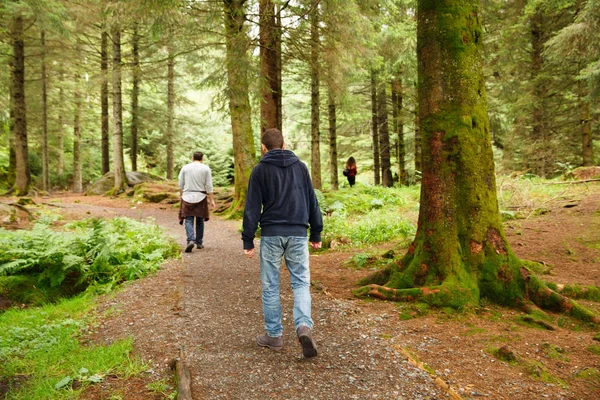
(213, 313)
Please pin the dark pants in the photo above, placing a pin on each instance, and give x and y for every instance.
(351, 180)
(189, 229)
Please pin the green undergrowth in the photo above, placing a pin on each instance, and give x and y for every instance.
(87, 252)
(42, 356)
(367, 215)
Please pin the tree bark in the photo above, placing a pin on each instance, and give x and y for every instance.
(170, 111)
(418, 141)
(397, 99)
(104, 102)
(60, 136)
(460, 253)
(77, 175)
(134, 97)
(22, 172)
(537, 157)
(384, 136)
(237, 64)
(270, 86)
(333, 156)
(45, 172)
(12, 156)
(375, 127)
(584, 108)
(315, 119)
(118, 159)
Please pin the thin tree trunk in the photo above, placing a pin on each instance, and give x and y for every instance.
(12, 156)
(237, 64)
(375, 127)
(333, 141)
(60, 136)
(104, 103)
(315, 119)
(384, 136)
(22, 173)
(118, 159)
(537, 157)
(45, 184)
(134, 97)
(586, 126)
(397, 99)
(270, 89)
(77, 175)
(170, 112)
(279, 72)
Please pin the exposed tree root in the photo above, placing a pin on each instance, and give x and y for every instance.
(577, 291)
(537, 291)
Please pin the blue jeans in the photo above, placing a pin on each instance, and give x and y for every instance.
(295, 251)
(189, 229)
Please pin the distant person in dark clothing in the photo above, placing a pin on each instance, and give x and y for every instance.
(350, 171)
(282, 199)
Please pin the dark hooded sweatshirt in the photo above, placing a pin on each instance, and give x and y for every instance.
(282, 199)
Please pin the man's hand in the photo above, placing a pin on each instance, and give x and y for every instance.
(315, 245)
(250, 253)
(212, 205)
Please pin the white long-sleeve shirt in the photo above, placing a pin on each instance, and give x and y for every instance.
(195, 178)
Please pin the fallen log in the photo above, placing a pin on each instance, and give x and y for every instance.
(573, 182)
(184, 379)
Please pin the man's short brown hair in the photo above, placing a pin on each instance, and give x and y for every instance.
(198, 156)
(272, 139)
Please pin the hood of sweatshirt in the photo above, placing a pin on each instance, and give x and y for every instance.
(280, 158)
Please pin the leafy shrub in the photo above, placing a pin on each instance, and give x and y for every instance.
(87, 252)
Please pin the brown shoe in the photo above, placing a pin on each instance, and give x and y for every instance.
(309, 348)
(273, 343)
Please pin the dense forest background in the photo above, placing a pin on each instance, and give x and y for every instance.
(78, 77)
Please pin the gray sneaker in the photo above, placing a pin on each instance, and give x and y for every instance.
(200, 246)
(189, 247)
(309, 348)
(274, 343)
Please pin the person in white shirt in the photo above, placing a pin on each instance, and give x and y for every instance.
(195, 184)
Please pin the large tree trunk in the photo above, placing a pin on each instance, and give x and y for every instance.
(118, 159)
(384, 136)
(460, 253)
(12, 156)
(23, 176)
(397, 98)
(538, 154)
(77, 175)
(104, 102)
(45, 184)
(270, 86)
(237, 64)
(418, 141)
(375, 127)
(315, 118)
(333, 140)
(278, 52)
(170, 112)
(134, 97)
(586, 126)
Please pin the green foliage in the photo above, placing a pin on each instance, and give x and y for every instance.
(91, 251)
(43, 345)
(367, 215)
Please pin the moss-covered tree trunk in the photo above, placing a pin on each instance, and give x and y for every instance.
(118, 159)
(237, 64)
(270, 88)
(104, 102)
(22, 171)
(315, 117)
(460, 253)
(170, 132)
(135, 90)
(375, 128)
(384, 135)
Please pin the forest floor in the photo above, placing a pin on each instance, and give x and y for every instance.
(206, 308)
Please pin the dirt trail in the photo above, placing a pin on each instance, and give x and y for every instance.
(208, 306)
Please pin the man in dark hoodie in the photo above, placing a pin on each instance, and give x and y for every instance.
(282, 199)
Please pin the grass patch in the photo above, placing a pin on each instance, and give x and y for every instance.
(594, 349)
(40, 351)
(554, 352)
(472, 332)
(164, 388)
(541, 373)
(412, 310)
(590, 374)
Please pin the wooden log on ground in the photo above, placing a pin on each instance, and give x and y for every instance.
(184, 380)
